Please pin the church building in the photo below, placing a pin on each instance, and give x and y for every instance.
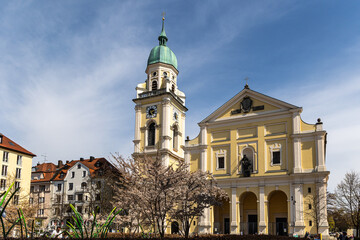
(268, 160)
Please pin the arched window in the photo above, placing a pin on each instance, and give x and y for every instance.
(173, 88)
(175, 137)
(154, 85)
(151, 134)
(83, 185)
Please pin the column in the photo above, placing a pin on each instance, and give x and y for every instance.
(321, 201)
(262, 223)
(299, 210)
(320, 151)
(204, 224)
(165, 123)
(296, 141)
(292, 209)
(203, 143)
(297, 155)
(137, 137)
(233, 212)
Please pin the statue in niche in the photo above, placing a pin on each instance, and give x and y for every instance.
(246, 166)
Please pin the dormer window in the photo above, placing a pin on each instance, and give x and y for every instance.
(154, 85)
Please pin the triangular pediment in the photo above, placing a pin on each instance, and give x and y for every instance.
(248, 103)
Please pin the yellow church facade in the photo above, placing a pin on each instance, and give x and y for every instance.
(270, 162)
(287, 172)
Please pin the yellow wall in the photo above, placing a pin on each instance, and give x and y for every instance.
(258, 135)
(26, 166)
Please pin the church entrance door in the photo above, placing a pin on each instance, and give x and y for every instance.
(252, 224)
(226, 225)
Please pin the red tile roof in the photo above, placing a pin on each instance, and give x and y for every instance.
(53, 173)
(46, 167)
(11, 145)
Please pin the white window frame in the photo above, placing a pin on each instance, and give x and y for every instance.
(19, 160)
(276, 147)
(220, 153)
(6, 156)
(18, 173)
(4, 172)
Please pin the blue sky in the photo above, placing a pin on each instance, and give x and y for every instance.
(68, 69)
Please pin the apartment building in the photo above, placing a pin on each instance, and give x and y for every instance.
(82, 183)
(16, 164)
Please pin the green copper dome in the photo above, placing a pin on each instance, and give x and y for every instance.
(162, 53)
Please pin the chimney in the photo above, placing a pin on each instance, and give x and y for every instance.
(81, 159)
(92, 158)
(60, 164)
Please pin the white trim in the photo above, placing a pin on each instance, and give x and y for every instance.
(218, 154)
(276, 147)
(248, 93)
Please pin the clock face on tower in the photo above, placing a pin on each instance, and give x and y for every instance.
(151, 111)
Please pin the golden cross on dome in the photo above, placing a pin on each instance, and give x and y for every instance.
(163, 15)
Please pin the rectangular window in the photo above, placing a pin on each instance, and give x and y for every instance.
(3, 184)
(17, 185)
(16, 199)
(72, 174)
(79, 166)
(71, 186)
(98, 197)
(41, 199)
(40, 212)
(276, 157)
(59, 187)
(80, 197)
(309, 206)
(19, 160)
(4, 170)
(58, 198)
(221, 162)
(70, 197)
(42, 188)
(18, 173)
(32, 188)
(309, 190)
(84, 173)
(6, 157)
(98, 184)
(31, 200)
(310, 223)
(79, 209)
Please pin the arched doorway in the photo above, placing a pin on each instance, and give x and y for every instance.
(174, 228)
(248, 213)
(278, 213)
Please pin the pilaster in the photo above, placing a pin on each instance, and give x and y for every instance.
(262, 223)
(320, 151)
(137, 136)
(233, 212)
(299, 210)
(165, 122)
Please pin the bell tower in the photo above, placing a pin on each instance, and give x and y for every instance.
(160, 106)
